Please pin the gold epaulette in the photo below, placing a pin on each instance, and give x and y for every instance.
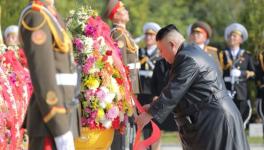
(228, 59)
(131, 46)
(63, 44)
(144, 60)
(221, 59)
(31, 28)
(120, 32)
(210, 48)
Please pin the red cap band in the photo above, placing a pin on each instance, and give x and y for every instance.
(117, 6)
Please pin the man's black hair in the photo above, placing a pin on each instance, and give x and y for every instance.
(165, 30)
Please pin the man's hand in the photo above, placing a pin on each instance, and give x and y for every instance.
(146, 107)
(155, 98)
(249, 74)
(65, 141)
(143, 119)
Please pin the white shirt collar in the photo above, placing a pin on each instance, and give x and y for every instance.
(151, 50)
(234, 52)
(201, 46)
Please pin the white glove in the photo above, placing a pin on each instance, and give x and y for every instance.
(65, 141)
(235, 73)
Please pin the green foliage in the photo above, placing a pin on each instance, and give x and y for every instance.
(217, 13)
(253, 19)
(11, 11)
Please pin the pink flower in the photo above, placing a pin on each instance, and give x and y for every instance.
(91, 123)
(100, 94)
(88, 64)
(78, 43)
(112, 113)
(93, 115)
(90, 30)
(88, 94)
(87, 110)
(83, 121)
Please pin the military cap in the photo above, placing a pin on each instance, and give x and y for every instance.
(151, 28)
(111, 8)
(236, 28)
(201, 26)
(11, 29)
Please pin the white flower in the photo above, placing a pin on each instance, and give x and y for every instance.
(87, 44)
(72, 12)
(94, 70)
(110, 60)
(106, 123)
(102, 104)
(115, 86)
(110, 97)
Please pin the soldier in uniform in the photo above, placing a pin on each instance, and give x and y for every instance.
(200, 33)
(238, 67)
(53, 112)
(148, 57)
(260, 84)
(119, 16)
(11, 36)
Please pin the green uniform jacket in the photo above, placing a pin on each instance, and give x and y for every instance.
(52, 110)
(129, 51)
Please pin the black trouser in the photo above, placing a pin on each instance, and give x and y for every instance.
(38, 143)
(119, 142)
(243, 107)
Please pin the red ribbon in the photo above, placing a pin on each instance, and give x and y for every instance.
(142, 145)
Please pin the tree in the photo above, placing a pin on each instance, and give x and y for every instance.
(253, 18)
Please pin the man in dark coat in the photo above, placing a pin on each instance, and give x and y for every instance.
(205, 114)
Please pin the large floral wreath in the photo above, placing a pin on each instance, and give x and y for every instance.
(105, 91)
(15, 92)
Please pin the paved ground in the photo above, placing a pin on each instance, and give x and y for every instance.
(178, 147)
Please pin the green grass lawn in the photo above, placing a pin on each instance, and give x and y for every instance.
(173, 138)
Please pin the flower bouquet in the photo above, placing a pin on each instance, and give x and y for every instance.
(15, 92)
(105, 91)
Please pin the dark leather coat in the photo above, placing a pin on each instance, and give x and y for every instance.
(207, 117)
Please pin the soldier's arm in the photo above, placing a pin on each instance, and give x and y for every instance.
(258, 76)
(250, 72)
(118, 37)
(38, 46)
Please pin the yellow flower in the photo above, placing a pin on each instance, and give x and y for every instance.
(92, 83)
(109, 106)
(100, 114)
(130, 111)
(127, 108)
